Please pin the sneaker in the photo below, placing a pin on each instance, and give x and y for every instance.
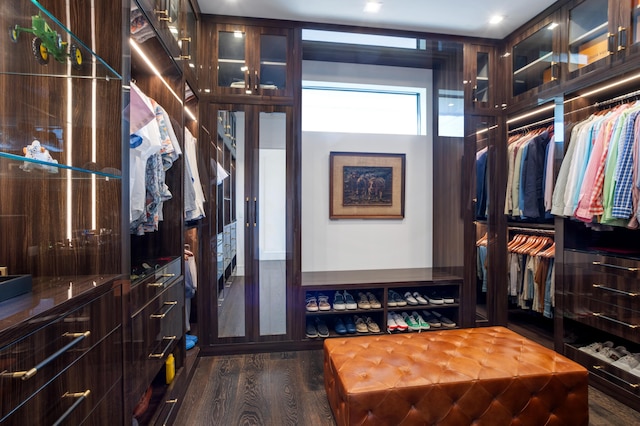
(397, 298)
(410, 299)
(339, 326)
(311, 331)
(595, 347)
(421, 322)
(448, 299)
(391, 302)
(321, 326)
(627, 362)
(610, 355)
(363, 301)
(361, 326)
(191, 337)
(351, 327)
(434, 299)
(350, 301)
(431, 319)
(401, 325)
(372, 326)
(338, 302)
(444, 320)
(410, 321)
(323, 303)
(421, 300)
(373, 301)
(312, 304)
(391, 323)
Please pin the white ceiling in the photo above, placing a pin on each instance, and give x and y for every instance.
(459, 17)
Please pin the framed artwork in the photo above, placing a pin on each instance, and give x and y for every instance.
(366, 185)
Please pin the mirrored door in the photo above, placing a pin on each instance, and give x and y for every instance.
(252, 224)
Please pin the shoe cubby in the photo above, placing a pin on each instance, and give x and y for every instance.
(422, 291)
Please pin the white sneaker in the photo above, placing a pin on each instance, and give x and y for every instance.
(421, 300)
(627, 362)
(410, 299)
(391, 323)
(400, 323)
(591, 348)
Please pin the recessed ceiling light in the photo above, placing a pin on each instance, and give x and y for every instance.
(372, 6)
(496, 19)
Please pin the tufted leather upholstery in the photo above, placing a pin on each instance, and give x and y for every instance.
(479, 376)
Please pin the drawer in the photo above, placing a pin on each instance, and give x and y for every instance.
(155, 331)
(32, 361)
(76, 392)
(154, 284)
(614, 266)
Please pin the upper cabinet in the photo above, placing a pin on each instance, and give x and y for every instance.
(480, 77)
(188, 39)
(600, 32)
(252, 61)
(534, 59)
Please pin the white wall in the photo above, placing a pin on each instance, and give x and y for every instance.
(355, 244)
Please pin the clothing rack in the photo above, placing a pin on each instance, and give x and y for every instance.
(538, 231)
(532, 125)
(606, 102)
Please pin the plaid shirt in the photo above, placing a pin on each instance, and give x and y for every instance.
(622, 202)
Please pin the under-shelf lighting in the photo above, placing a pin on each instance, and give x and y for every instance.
(552, 26)
(190, 114)
(530, 113)
(607, 87)
(153, 68)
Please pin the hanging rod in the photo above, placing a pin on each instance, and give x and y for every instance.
(537, 123)
(606, 102)
(532, 230)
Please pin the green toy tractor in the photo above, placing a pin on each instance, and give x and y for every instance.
(47, 42)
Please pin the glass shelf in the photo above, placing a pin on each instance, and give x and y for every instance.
(532, 60)
(52, 50)
(588, 30)
(27, 165)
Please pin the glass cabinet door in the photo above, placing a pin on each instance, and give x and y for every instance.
(588, 33)
(273, 62)
(533, 61)
(232, 59)
(188, 37)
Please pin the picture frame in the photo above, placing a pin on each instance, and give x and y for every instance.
(366, 185)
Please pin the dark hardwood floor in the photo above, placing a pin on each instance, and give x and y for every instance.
(287, 388)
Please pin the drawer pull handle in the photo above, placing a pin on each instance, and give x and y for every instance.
(156, 284)
(599, 315)
(171, 305)
(170, 340)
(600, 369)
(173, 403)
(608, 265)
(614, 290)
(25, 375)
(81, 396)
(168, 275)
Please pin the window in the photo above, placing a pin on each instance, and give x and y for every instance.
(363, 108)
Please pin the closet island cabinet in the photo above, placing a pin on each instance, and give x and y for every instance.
(62, 240)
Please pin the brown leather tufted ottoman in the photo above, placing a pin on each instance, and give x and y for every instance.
(480, 376)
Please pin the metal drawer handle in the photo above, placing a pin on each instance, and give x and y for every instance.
(600, 369)
(599, 315)
(608, 265)
(25, 375)
(614, 290)
(156, 284)
(81, 396)
(171, 305)
(173, 403)
(171, 339)
(167, 275)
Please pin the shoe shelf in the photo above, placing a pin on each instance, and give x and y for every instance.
(398, 294)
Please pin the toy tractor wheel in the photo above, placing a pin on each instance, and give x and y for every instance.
(76, 56)
(13, 33)
(40, 51)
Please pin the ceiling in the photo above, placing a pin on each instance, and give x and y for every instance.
(459, 17)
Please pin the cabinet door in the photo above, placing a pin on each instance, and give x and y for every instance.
(253, 61)
(590, 37)
(188, 39)
(534, 59)
(480, 76)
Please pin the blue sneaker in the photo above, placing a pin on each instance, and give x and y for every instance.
(339, 327)
(189, 343)
(191, 337)
(350, 325)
